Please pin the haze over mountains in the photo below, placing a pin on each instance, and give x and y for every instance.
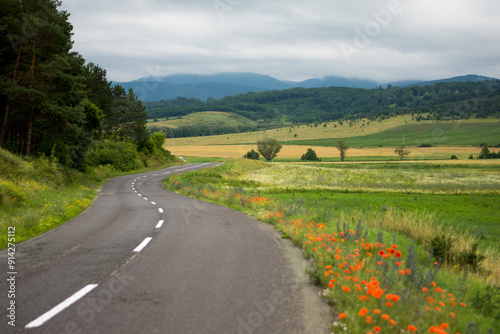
(220, 85)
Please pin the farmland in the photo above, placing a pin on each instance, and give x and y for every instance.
(340, 213)
(343, 215)
(294, 152)
(363, 133)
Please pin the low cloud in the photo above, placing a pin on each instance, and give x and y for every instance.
(291, 39)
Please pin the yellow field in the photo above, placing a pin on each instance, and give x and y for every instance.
(296, 151)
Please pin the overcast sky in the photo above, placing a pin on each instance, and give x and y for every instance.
(289, 39)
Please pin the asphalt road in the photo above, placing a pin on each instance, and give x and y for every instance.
(142, 259)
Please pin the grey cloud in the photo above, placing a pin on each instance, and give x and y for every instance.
(292, 39)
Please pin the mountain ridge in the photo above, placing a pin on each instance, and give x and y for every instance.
(219, 85)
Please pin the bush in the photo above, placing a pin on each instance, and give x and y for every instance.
(252, 155)
(454, 157)
(441, 248)
(158, 139)
(425, 145)
(120, 155)
(310, 155)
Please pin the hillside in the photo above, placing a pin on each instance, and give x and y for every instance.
(203, 123)
(441, 101)
(365, 133)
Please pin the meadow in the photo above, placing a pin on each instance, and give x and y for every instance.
(368, 230)
(204, 118)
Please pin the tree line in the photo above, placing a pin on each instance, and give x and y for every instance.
(440, 101)
(51, 101)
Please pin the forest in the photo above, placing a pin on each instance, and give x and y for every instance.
(51, 101)
(441, 101)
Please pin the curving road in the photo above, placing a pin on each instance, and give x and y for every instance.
(142, 259)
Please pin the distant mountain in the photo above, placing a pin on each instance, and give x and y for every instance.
(463, 78)
(334, 81)
(157, 91)
(228, 84)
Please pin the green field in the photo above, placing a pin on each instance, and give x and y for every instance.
(207, 118)
(439, 134)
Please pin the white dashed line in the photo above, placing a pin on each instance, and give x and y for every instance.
(139, 195)
(154, 203)
(160, 223)
(160, 209)
(142, 245)
(59, 308)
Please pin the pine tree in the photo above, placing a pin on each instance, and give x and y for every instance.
(41, 103)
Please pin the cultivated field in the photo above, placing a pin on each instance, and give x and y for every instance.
(296, 151)
(363, 133)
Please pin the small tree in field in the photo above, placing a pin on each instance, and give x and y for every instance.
(269, 148)
(310, 155)
(342, 147)
(402, 152)
(252, 155)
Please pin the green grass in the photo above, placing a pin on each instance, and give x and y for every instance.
(438, 134)
(207, 118)
(469, 213)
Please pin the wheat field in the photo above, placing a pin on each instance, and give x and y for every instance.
(296, 151)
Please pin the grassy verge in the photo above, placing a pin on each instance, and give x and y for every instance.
(39, 195)
(378, 278)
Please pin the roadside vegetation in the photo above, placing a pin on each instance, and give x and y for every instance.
(38, 194)
(72, 127)
(394, 251)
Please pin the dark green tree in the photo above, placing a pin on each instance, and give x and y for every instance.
(269, 148)
(252, 155)
(310, 155)
(42, 91)
(98, 91)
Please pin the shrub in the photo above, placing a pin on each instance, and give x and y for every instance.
(310, 155)
(471, 258)
(120, 155)
(487, 301)
(252, 155)
(454, 157)
(441, 248)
